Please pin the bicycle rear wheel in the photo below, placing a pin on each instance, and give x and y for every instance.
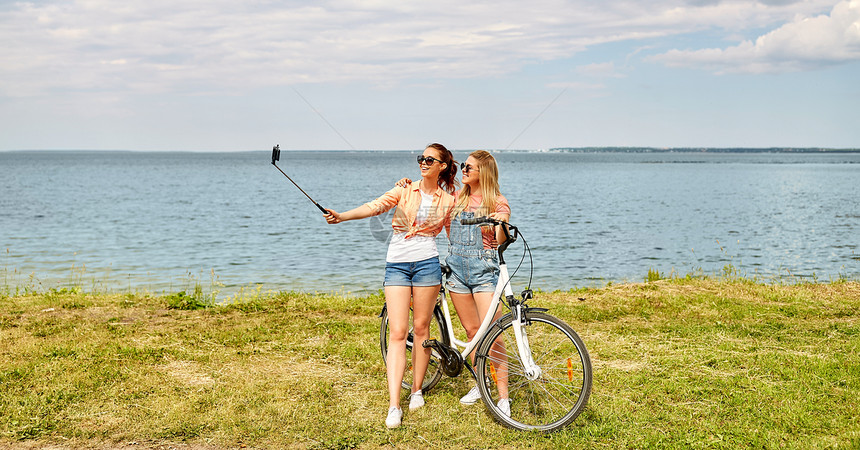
(552, 400)
(434, 370)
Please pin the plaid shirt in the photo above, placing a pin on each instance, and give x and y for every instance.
(407, 200)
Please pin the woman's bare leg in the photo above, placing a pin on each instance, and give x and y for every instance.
(484, 300)
(423, 301)
(467, 312)
(397, 300)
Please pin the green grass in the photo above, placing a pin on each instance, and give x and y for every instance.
(678, 363)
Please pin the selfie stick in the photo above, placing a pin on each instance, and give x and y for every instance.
(276, 156)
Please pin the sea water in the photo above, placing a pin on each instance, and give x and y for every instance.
(167, 221)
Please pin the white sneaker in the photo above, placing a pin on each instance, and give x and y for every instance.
(416, 400)
(395, 414)
(505, 406)
(472, 397)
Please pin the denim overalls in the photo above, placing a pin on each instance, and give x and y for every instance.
(474, 268)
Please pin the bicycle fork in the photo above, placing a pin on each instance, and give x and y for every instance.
(531, 369)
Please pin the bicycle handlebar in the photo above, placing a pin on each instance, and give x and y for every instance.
(510, 231)
(479, 220)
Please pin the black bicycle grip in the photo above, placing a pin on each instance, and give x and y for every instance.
(476, 220)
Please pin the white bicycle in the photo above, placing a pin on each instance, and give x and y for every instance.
(546, 364)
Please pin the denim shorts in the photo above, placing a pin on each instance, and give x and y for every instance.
(419, 273)
(473, 273)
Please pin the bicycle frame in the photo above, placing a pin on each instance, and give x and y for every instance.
(468, 346)
(503, 286)
(524, 395)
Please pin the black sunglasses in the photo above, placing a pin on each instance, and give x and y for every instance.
(428, 159)
(466, 168)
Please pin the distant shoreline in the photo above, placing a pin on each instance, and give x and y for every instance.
(703, 150)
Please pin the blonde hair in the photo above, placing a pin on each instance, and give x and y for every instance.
(488, 176)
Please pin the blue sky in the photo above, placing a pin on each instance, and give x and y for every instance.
(220, 75)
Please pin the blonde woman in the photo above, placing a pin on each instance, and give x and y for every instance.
(412, 270)
(474, 261)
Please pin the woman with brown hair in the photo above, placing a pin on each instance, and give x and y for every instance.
(412, 269)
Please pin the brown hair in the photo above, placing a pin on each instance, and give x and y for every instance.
(448, 177)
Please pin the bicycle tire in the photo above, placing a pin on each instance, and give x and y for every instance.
(434, 369)
(553, 400)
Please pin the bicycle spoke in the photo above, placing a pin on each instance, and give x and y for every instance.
(558, 394)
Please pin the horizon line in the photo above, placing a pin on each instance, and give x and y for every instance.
(583, 149)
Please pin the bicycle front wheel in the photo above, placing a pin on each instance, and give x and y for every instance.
(434, 370)
(547, 402)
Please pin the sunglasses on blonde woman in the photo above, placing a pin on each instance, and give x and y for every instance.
(466, 168)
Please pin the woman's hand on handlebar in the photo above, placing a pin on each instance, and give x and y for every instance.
(501, 229)
(332, 217)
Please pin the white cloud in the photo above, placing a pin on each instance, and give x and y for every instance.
(805, 43)
(152, 46)
(599, 70)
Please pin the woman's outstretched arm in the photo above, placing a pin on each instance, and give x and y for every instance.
(362, 212)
